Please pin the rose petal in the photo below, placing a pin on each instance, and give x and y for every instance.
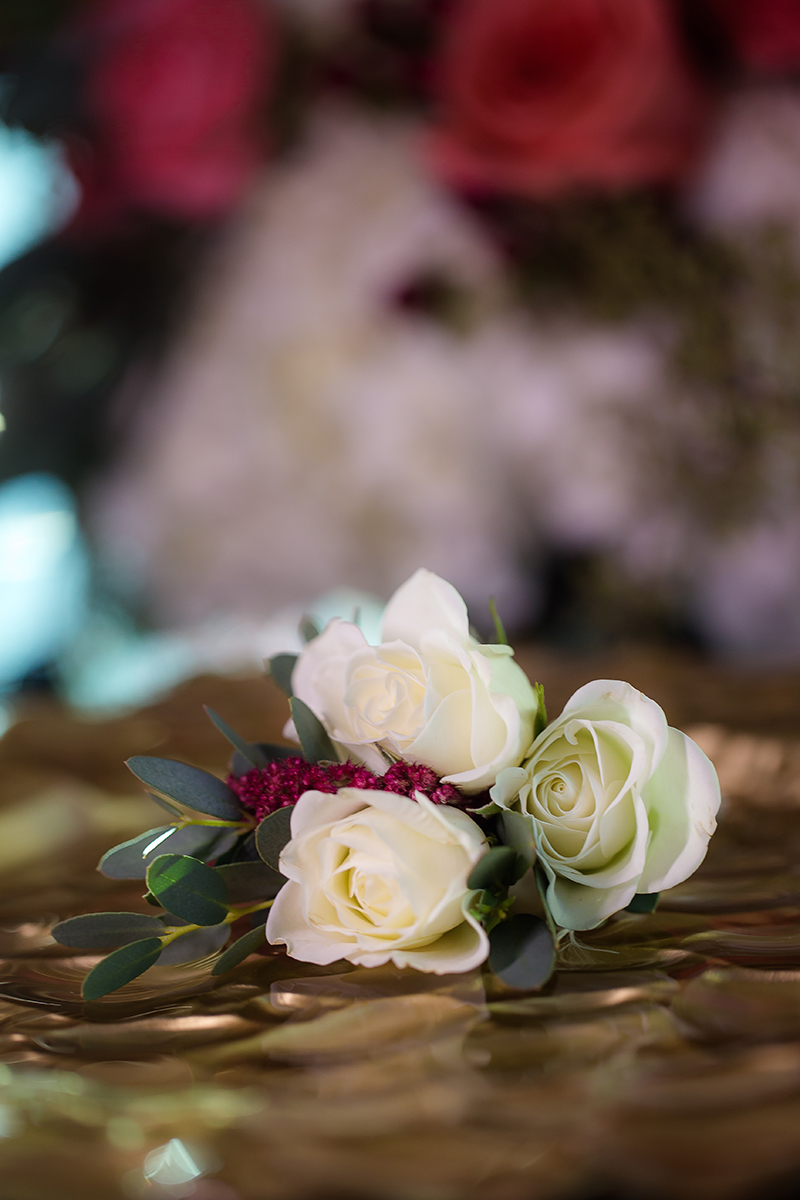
(422, 603)
(682, 799)
(287, 925)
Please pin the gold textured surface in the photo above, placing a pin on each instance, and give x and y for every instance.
(663, 1061)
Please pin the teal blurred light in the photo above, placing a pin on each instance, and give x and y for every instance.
(38, 192)
(44, 574)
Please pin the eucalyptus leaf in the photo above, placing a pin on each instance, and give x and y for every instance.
(540, 719)
(499, 868)
(272, 835)
(189, 947)
(187, 887)
(522, 951)
(167, 805)
(93, 930)
(646, 902)
(120, 968)
(516, 831)
(187, 785)
(249, 751)
(308, 628)
(131, 859)
(280, 667)
(500, 635)
(240, 765)
(487, 810)
(239, 951)
(314, 740)
(249, 882)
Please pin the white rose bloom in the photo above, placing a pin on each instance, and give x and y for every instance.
(429, 693)
(374, 878)
(619, 802)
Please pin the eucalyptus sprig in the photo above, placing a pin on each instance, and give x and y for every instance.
(198, 868)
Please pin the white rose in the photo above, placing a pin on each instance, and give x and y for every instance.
(428, 693)
(375, 877)
(619, 802)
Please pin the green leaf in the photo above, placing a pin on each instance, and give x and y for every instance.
(239, 951)
(314, 740)
(272, 835)
(167, 805)
(120, 968)
(280, 667)
(516, 831)
(187, 887)
(241, 765)
(522, 951)
(131, 859)
(189, 947)
(250, 881)
(187, 785)
(250, 751)
(497, 870)
(500, 635)
(645, 902)
(540, 719)
(488, 810)
(308, 628)
(105, 929)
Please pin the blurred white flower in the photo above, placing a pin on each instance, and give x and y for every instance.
(309, 432)
(751, 174)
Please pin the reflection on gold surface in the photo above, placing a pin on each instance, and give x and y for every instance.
(665, 1055)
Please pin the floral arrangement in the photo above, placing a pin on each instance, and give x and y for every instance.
(429, 784)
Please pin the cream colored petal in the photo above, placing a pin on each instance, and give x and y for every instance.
(286, 925)
(319, 680)
(424, 602)
(468, 833)
(615, 700)
(508, 785)
(462, 949)
(577, 906)
(682, 800)
(443, 743)
(315, 810)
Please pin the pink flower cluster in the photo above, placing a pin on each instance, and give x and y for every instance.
(265, 789)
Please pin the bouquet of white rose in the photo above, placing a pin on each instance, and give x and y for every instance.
(429, 784)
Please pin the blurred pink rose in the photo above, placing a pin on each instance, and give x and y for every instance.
(540, 96)
(172, 96)
(765, 33)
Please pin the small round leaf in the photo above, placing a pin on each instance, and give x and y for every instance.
(497, 870)
(248, 882)
(189, 889)
(92, 930)
(239, 951)
(522, 951)
(187, 785)
(120, 968)
(272, 835)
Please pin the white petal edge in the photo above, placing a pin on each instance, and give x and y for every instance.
(424, 602)
(287, 926)
(683, 799)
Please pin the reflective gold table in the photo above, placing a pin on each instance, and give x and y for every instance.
(663, 1061)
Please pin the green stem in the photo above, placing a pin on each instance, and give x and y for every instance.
(243, 826)
(175, 931)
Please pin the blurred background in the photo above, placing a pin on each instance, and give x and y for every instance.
(299, 295)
